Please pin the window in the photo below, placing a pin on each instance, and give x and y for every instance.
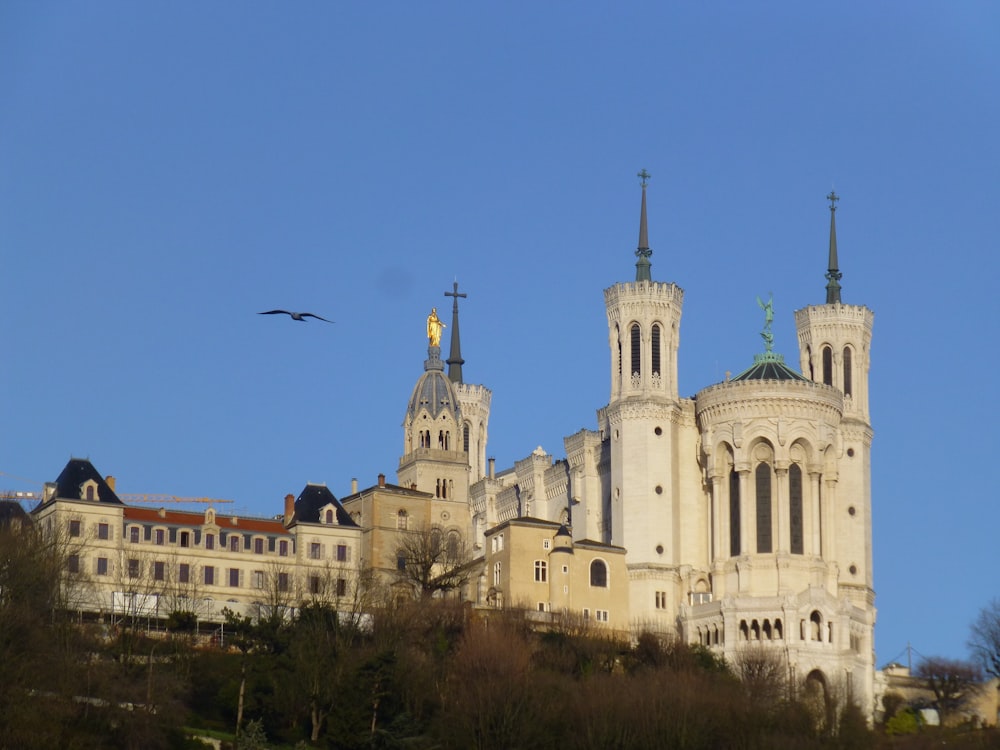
(258, 579)
(234, 577)
(103, 531)
(73, 564)
(74, 528)
(185, 538)
(184, 573)
(314, 586)
(763, 484)
(341, 587)
(465, 438)
(133, 535)
(847, 371)
(315, 551)
(599, 574)
(400, 562)
(283, 548)
(133, 568)
(795, 507)
(401, 520)
(546, 543)
(543, 607)
(209, 541)
(160, 536)
(701, 597)
(234, 543)
(159, 571)
(282, 581)
(734, 513)
(656, 350)
(601, 615)
(498, 543)
(209, 575)
(496, 574)
(343, 553)
(827, 365)
(565, 569)
(661, 599)
(102, 566)
(453, 546)
(586, 613)
(636, 351)
(541, 571)
(258, 546)
(329, 516)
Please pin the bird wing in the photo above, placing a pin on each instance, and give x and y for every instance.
(310, 315)
(275, 312)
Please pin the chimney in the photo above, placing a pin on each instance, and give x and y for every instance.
(354, 485)
(49, 492)
(381, 480)
(493, 466)
(289, 508)
(110, 480)
(413, 485)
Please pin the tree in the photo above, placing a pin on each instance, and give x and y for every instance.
(764, 674)
(433, 562)
(954, 682)
(984, 638)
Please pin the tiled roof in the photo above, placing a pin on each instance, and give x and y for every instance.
(188, 518)
(769, 366)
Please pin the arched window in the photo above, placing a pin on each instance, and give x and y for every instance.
(618, 342)
(599, 574)
(657, 365)
(816, 623)
(763, 486)
(401, 519)
(329, 516)
(809, 359)
(827, 365)
(453, 546)
(465, 438)
(744, 631)
(795, 507)
(636, 350)
(847, 371)
(734, 513)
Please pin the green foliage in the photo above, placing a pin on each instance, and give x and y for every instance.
(906, 721)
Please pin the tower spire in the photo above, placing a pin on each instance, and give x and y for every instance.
(833, 274)
(455, 360)
(643, 252)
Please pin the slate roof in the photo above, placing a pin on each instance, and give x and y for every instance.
(769, 366)
(314, 497)
(78, 471)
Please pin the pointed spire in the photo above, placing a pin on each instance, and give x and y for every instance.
(643, 252)
(833, 274)
(455, 360)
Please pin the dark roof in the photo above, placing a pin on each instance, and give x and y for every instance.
(77, 472)
(314, 497)
(769, 366)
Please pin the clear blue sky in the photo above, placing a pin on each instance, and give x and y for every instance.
(168, 170)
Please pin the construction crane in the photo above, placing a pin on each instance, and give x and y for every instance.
(164, 499)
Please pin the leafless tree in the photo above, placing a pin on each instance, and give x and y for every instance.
(764, 674)
(984, 638)
(433, 562)
(954, 682)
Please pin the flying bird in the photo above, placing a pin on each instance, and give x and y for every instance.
(295, 315)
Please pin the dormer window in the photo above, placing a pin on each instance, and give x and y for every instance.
(88, 490)
(328, 514)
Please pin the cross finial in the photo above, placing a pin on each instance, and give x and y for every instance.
(644, 176)
(833, 198)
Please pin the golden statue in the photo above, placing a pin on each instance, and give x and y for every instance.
(434, 327)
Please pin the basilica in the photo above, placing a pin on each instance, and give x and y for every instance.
(739, 516)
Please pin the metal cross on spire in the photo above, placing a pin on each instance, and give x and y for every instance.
(833, 198)
(644, 176)
(643, 252)
(833, 274)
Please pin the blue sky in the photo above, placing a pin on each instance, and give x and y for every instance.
(168, 170)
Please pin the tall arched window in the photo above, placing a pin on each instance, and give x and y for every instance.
(809, 359)
(636, 349)
(465, 438)
(599, 574)
(401, 519)
(795, 507)
(847, 371)
(657, 364)
(734, 513)
(828, 365)
(763, 485)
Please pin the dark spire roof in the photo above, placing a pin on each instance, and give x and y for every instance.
(643, 252)
(312, 499)
(75, 474)
(434, 391)
(455, 360)
(833, 274)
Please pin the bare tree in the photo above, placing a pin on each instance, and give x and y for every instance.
(433, 562)
(984, 638)
(764, 674)
(954, 682)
